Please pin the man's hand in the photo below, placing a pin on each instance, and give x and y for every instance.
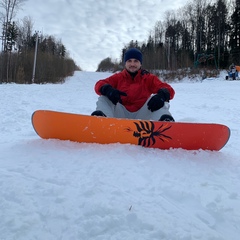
(113, 94)
(157, 101)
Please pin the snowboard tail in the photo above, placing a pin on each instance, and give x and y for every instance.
(151, 134)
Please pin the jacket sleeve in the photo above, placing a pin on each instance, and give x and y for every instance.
(112, 80)
(157, 84)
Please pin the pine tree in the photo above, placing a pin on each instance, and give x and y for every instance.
(11, 37)
(235, 34)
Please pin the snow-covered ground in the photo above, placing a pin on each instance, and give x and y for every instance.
(52, 190)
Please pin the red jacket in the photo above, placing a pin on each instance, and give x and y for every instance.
(138, 89)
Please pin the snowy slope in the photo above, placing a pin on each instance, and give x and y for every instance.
(54, 189)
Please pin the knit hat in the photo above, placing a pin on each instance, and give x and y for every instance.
(133, 53)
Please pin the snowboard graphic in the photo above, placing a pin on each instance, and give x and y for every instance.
(152, 134)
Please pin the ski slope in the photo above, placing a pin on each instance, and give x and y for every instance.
(53, 189)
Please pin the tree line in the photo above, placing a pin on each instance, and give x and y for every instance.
(203, 33)
(21, 45)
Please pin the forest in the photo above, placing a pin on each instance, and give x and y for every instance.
(21, 46)
(202, 34)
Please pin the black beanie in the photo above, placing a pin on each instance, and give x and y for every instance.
(133, 53)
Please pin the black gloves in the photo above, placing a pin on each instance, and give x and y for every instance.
(113, 94)
(157, 101)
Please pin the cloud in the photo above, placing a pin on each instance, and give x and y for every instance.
(93, 30)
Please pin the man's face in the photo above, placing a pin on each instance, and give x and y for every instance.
(133, 65)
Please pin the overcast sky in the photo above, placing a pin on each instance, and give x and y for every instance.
(93, 30)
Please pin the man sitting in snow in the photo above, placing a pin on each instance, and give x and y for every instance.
(232, 67)
(128, 94)
(233, 73)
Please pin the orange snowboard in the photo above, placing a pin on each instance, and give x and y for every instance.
(153, 134)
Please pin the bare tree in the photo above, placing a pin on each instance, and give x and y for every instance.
(25, 34)
(10, 8)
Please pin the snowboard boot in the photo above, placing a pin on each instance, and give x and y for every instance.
(166, 118)
(98, 113)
